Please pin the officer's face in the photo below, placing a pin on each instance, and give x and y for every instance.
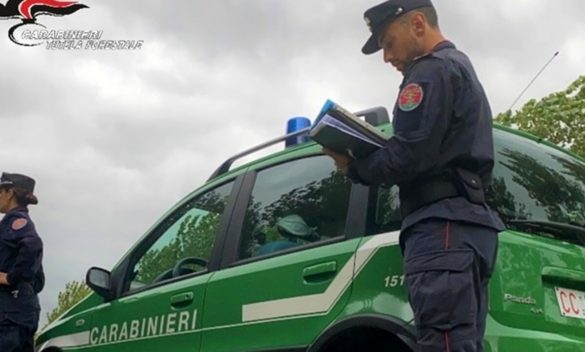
(401, 42)
(5, 199)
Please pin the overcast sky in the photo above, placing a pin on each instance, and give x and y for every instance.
(115, 138)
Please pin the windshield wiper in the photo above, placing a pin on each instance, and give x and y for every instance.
(568, 232)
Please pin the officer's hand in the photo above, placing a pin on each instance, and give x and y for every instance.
(341, 160)
(4, 279)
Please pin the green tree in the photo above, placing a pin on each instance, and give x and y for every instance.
(559, 117)
(74, 292)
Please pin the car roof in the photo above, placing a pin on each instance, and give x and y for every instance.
(313, 148)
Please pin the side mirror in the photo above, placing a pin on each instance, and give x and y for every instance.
(99, 280)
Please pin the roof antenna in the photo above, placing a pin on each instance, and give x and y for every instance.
(534, 79)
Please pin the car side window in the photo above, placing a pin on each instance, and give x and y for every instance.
(383, 210)
(293, 204)
(185, 241)
(532, 181)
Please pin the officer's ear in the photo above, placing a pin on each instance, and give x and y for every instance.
(418, 23)
(10, 192)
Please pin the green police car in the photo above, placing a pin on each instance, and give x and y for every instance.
(285, 254)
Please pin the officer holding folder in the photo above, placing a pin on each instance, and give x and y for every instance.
(441, 156)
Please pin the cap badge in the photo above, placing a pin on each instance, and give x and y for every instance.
(410, 97)
(399, 11)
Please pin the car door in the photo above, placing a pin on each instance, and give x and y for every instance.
(289, 273)
(161, 303)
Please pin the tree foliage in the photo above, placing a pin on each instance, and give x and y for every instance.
(559, 117)
(74, 292)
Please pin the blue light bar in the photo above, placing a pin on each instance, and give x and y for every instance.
(296, 124)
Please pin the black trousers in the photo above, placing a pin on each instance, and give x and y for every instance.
(448, 266)
(19, 319)
(18, 337)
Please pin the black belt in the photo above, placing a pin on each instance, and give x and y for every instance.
(418, 195)
(452, 183)
(20, 286)
(4, 288)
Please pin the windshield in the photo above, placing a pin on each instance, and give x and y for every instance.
(532, 181)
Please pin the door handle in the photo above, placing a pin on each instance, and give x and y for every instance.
(320, 272)
(182, 299)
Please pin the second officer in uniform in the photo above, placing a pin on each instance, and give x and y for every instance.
(21, 272)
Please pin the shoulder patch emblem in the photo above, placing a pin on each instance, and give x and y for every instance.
(410, 97)
(19, 224)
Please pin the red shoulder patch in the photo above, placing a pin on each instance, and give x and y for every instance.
(410, 97)
(19, 224)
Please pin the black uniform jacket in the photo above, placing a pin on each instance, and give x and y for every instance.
(442, 121)
(21, 251)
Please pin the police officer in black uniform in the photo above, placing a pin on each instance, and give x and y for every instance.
(441, 156)
(21, 272)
